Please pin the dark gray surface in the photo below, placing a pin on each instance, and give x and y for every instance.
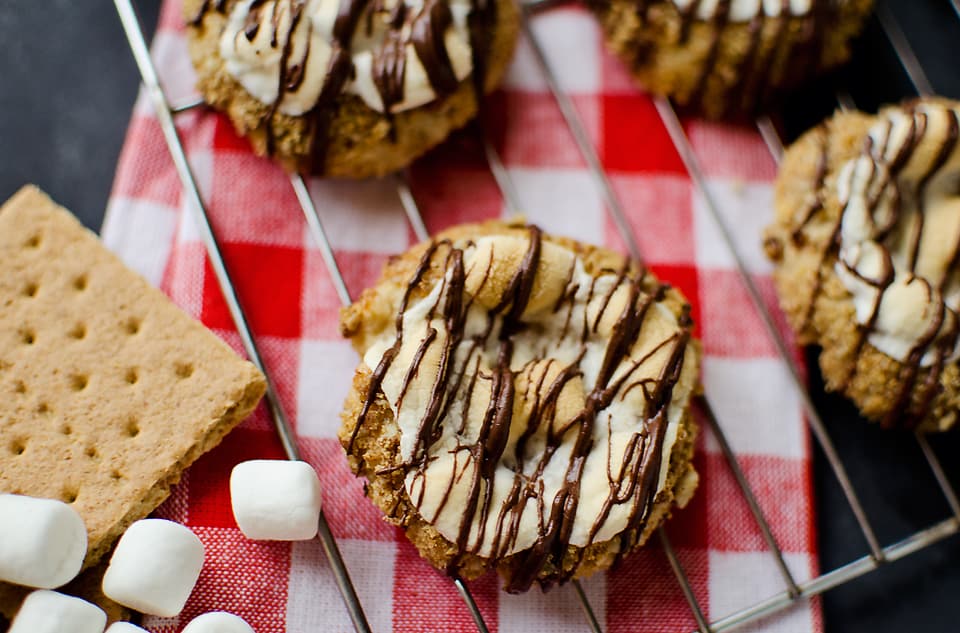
(68, 87)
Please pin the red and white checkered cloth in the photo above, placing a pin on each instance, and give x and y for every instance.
(292, 307)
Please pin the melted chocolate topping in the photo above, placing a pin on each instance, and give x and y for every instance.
(634, 482)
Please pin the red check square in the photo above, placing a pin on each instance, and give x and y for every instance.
(226, 139)
(634, 138)
(268, 280)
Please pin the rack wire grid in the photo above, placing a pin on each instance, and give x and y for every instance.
(879, 555)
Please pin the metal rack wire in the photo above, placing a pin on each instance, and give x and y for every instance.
(794, 592)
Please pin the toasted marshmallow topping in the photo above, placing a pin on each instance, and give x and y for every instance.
(402, 53)
(900, 233)
(537, 404)
(744, 10)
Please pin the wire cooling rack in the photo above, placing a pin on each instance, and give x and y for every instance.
(879, 555)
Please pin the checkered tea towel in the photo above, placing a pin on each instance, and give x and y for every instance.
(288, 296)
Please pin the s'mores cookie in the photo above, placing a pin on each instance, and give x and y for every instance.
(353, 88)
(522, 403)
(866, 244)
(107, 390)
(727, 58)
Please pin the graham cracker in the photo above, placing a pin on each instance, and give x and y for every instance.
(108, 391)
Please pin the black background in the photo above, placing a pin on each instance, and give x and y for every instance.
(67, 85)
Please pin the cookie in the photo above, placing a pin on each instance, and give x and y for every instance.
(107, 390)
(522, 403)
(353, 92)
(729, 58)
(866, 244)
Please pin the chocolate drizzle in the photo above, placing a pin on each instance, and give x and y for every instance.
(882, 161)
(720, 18)
(427, 36)
(376, 380)
(491, 527)
(205, 7)
(797, 235)
(422, 29)
(284, 78)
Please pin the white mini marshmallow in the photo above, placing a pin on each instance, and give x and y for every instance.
(125, 627)
(218, 622)
(42, 541)
(275, 500)
(51, 612)
(154, 568)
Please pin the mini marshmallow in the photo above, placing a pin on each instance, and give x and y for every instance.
(275, 500)
(125, 627)
(51, 612)
(154, 568)
(218, 622)
(42, 541)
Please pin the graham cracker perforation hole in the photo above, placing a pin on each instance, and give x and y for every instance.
(43, 408)
(30, 290)
(18, 447)
(28, 336)
(80, 283)
(116, 475)
(34, 241)
(132, 427)
(20, 387)
(69, 495)
(78, 331)
(66, 429)
(132, 326)
(184, 370)
(132, 376)
(79, 382)
(91, 452)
